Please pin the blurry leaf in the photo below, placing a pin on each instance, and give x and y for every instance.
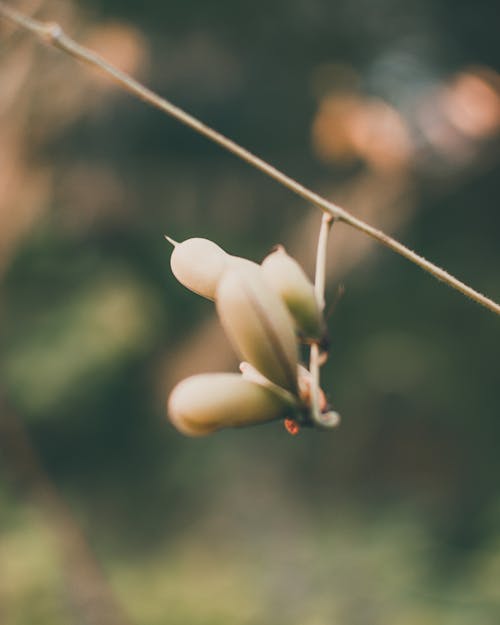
(79, 344)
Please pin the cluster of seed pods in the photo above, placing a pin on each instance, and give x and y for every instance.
(264, 309)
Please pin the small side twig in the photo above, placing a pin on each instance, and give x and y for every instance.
(53, 35)
(323, 419)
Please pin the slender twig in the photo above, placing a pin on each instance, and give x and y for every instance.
(320, 275)
(53, 34)
(319, 292)
(323, 419)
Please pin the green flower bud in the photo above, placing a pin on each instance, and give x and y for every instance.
(258, 324)
(198, 264)
(287, 278)
(204, 403)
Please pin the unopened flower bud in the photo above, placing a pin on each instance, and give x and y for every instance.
(258, 324)
(198, 264)
(204, 403)
(287, 278)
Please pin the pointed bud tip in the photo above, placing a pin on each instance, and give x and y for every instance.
(170, 240)
(277, 248)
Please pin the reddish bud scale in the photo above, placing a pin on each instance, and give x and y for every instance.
(291, 426)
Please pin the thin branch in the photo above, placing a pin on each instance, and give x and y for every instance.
(53, 34)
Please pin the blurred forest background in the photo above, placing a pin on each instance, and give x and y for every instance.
(107, 515)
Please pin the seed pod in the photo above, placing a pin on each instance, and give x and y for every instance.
(198, 264)
(204, 403)
(286, 277)
(258, 324)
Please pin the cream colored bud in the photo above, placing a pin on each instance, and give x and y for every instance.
(198, 264)
(204, 403)
(258, 324)
(286, 277)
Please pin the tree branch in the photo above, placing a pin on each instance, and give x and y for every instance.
(53, 35)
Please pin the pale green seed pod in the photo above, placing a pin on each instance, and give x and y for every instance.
(208, 402)
(258, 324)
(286, 277)
(198, 264)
